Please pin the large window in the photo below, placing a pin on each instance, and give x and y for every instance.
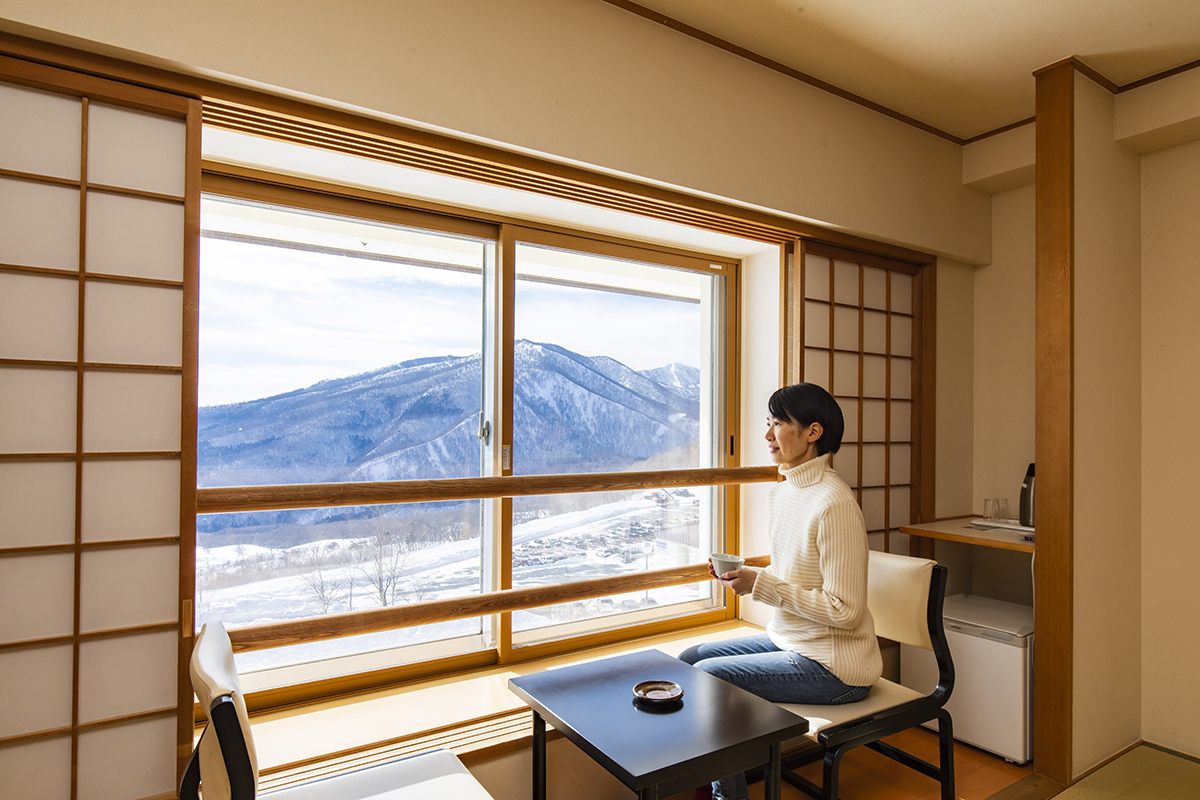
(378, 344)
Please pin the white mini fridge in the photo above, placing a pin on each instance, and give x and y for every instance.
(991, 642)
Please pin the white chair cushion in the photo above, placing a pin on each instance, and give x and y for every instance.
(883, 695)
(214, 675)
(898, 596)
(437, 775)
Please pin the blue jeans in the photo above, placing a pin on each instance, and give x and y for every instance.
(755, 664)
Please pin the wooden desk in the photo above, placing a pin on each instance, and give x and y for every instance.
(959, 530)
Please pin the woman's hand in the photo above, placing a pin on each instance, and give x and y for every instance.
(741, 581)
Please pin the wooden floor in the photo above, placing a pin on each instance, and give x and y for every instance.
(867, 775)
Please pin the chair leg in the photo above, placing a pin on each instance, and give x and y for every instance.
(833, 760)
(946, 748)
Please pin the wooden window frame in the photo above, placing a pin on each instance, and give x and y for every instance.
(261, 186)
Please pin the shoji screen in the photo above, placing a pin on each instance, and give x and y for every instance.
(853, 330)
(94, 203)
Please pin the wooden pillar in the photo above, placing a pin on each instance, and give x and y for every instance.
(1053, 583)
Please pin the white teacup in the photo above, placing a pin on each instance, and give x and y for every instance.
(724, 562)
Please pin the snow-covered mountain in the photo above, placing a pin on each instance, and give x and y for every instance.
(419, 420)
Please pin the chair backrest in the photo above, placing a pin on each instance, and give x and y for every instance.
(898, 596)
(216, 684)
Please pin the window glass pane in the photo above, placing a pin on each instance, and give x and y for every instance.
(567, 538)
(615, 369)
(615, 365)
(335, 350)
(261, 567)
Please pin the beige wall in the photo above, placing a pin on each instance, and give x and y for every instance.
(1170, 295)
(955, 368)
(578, 79)
(1107, 494)
(1003, 398)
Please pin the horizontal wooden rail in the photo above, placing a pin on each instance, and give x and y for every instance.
(320, 495)
(335, 626)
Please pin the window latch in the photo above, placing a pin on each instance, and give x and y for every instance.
(485, 430)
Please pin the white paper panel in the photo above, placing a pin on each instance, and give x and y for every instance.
(900, 468)
(875, 332)
(128, 761)
(845, 462)
(901, 421)
(845, 328)
(127, 674)
(845, 373)
(816, 278)
(130, 499)
(136, 149)
(39, 317)
(125, 411)
(874, 461)
(875, 541)
(900, 542)
(898, 506)
(874, 420)
(845, 282)
(110, 599)
(37, 410)
(39, 225)
(134, 236)
(37, 593)
(37, 503)
(874, 376)
(902, 378)
(850, 413)
(901, 292)
(902, 333)
(872, 507)
(816, 324)
(40, 132)
(36, 690)
(39, 770)
(816, 368)
(133, 324)
(874, 288)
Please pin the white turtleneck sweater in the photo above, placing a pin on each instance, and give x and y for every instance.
(817, 580)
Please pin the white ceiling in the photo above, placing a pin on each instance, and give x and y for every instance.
(962, 66)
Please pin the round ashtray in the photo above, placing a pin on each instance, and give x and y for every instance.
(658, 691)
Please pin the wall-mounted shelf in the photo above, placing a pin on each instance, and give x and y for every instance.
(960, 529)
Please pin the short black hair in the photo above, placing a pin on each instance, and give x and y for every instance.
(806, 403)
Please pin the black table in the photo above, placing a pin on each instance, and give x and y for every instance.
(716, 730)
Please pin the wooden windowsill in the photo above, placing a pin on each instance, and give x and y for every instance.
(475, 716)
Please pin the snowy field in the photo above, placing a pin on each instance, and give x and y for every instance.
(607, 540)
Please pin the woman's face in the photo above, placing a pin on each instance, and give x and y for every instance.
(789, 443)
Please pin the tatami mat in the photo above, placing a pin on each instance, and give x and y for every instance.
(1144, 773)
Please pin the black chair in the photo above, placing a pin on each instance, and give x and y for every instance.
(224, 758)
(905, 596)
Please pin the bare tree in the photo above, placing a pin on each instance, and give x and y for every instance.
(382, 558)
(324, 576)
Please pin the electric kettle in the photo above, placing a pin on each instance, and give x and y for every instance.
(1027, 498)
